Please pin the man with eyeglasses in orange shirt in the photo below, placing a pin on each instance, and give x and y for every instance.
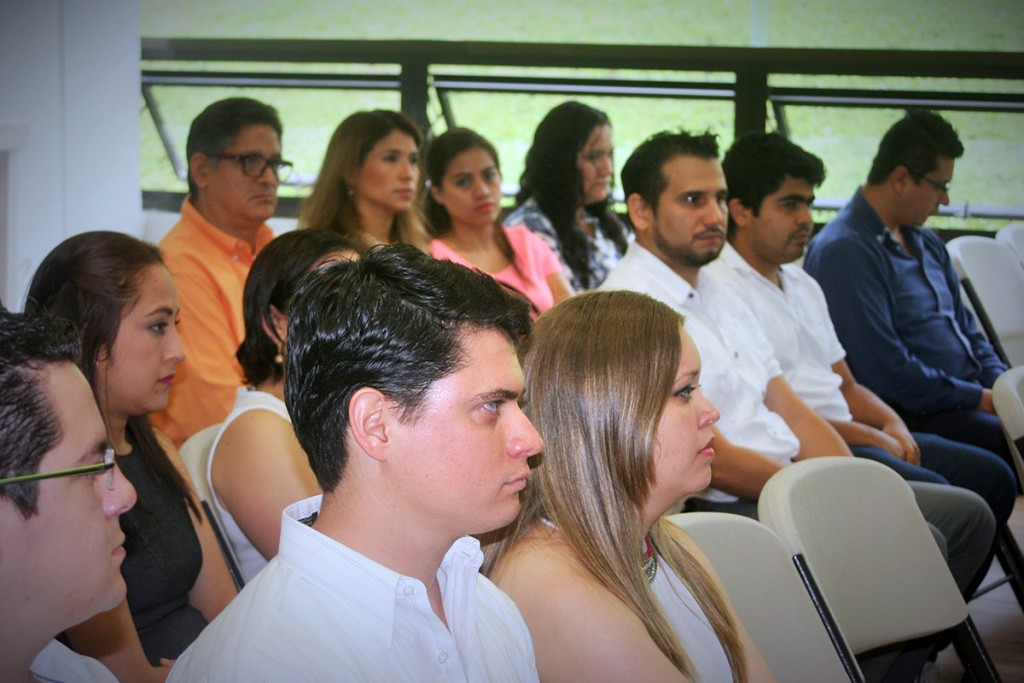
(234, 169)
(61, 498)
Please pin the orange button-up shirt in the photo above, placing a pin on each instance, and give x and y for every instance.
(209, 268)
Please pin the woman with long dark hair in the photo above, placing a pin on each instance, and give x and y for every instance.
(117, 291)
(564, 193)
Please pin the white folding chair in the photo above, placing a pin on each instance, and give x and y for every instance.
(856, 528)
(196, 454)
(1012, 234)
(762, 582)
(1008, 396)
(992, 275)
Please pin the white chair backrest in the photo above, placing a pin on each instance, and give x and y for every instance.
(761, 581)
(1008, 396)
(998, 279)
(1012, 234)
(196, 453)
(856, 523)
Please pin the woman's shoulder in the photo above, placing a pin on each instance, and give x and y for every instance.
(561, 601)
(540, 566)
(529, 214)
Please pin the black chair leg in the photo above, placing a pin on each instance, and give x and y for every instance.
(973, 654)
(1012, 561)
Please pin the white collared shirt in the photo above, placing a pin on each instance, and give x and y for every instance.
(796, 321)
(55, 662)
(320, 611)
(736, 358)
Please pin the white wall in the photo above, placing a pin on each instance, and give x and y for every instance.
(69, 111)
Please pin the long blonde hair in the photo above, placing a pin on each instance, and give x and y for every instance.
(330, 205)
(599, 369)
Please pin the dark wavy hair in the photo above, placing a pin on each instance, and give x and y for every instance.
(758, 163)
(219, 124)
(394, 320)
(29, 424)
(916, 142)
(272, 281)
(552, 178)
(642, 173)
(93, 280)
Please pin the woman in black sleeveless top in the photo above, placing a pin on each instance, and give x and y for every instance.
(118, 292)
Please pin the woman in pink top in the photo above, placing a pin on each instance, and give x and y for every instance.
(462, 208)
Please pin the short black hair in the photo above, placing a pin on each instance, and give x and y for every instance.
(29, 425)
(758, 163)
(915, 142)
(219, 124)
(643, 173)
(394, 320)
(272, 280)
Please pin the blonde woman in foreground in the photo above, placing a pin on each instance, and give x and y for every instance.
(609, 589)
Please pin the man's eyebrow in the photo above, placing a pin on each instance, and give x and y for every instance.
(497, 395)
(89, 456)
(796, 195)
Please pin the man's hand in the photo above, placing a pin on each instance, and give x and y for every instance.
(908, 451)
(986, 404)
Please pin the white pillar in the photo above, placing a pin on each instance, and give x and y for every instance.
(69, 78)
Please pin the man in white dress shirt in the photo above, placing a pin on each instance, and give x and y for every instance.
(677, 199)
(676, 195)
(403, 384)
(771, 187)
(61, 498)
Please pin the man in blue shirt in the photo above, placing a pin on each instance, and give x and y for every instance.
(894, 297)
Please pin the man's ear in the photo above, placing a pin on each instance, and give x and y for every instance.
(740, 214)
(368, 419)
(900, 178)
(199, 167)
(640, 212)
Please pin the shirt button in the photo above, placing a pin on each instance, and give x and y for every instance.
(442, 658)
(409, 590)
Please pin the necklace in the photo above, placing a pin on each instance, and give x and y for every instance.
(650, 561)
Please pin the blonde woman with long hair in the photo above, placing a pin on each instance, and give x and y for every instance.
(609, 589)
(369, 182)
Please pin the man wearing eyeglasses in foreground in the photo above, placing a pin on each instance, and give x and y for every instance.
(894, 297)
(403, 384)
(60, 501)
(234, 169)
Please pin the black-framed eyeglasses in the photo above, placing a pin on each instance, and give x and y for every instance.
(943, 188)
(255, 165)
(106, 466)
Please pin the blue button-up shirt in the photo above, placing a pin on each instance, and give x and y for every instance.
(907, 334)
